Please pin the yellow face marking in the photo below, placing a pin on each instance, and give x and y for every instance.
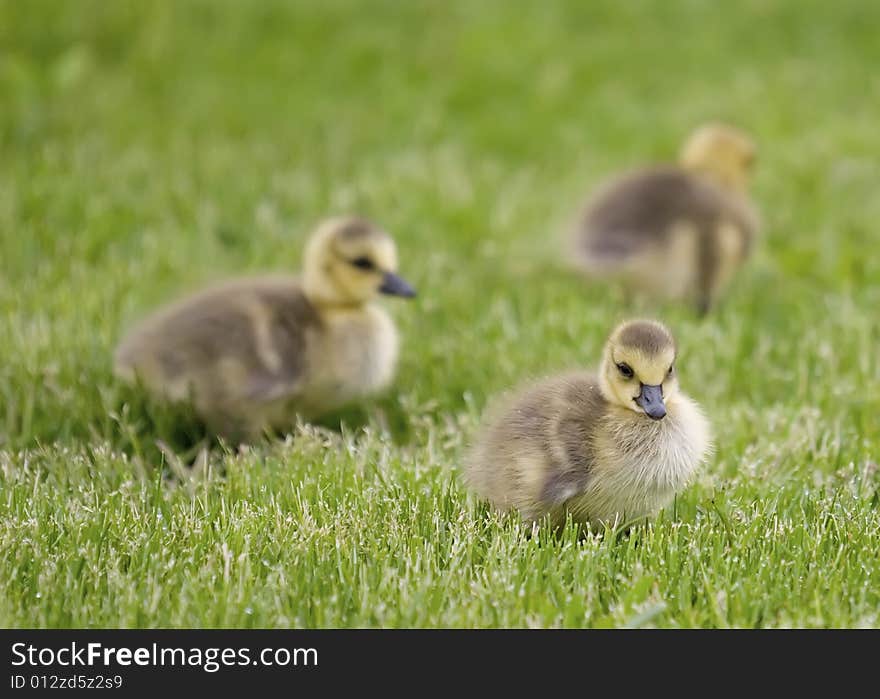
(720, 149)
(649, 369)
(385, 255)
(378, 249)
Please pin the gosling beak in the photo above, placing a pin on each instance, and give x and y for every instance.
(396, 286)
(651, 401)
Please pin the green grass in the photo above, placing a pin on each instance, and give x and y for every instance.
(146, 148)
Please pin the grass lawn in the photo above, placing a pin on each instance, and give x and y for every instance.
(148, 148)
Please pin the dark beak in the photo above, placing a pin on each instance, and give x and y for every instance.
(651, 401)
(396, 286)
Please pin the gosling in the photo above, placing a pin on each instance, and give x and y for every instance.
(675, 233)
(252, 354)
(606, 449)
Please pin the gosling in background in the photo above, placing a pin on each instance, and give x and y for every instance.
(611, 447)
(675, 232)
(254, 353)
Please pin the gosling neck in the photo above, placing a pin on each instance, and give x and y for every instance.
(336, 303)
(323, 292)
(732, 183)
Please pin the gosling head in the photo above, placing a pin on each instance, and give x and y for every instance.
(348, 261)
(722, 152)
(638, 368)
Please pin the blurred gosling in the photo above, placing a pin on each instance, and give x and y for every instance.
(675, 232)
(254, 353)
(609, 448)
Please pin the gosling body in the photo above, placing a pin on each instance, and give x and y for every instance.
(675, 232)
(579, 444)
(255, 353)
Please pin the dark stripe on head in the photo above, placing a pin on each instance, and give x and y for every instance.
(356, 227)
(646, 336)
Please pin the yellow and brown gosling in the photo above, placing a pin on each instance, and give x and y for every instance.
(254, 353)
(607, 448)
(675, 232)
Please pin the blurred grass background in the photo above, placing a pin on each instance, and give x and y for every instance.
(148, 148)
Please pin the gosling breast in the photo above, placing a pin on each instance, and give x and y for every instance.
(256, 353)
(667, 232)
(559, 448)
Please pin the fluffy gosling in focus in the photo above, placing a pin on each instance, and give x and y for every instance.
(255, 353)
(675, 232)
(608, 448)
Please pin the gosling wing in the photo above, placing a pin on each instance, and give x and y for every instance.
(245, 340)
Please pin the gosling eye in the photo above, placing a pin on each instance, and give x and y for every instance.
(625, 370)
(671, 371)
(362, 263)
